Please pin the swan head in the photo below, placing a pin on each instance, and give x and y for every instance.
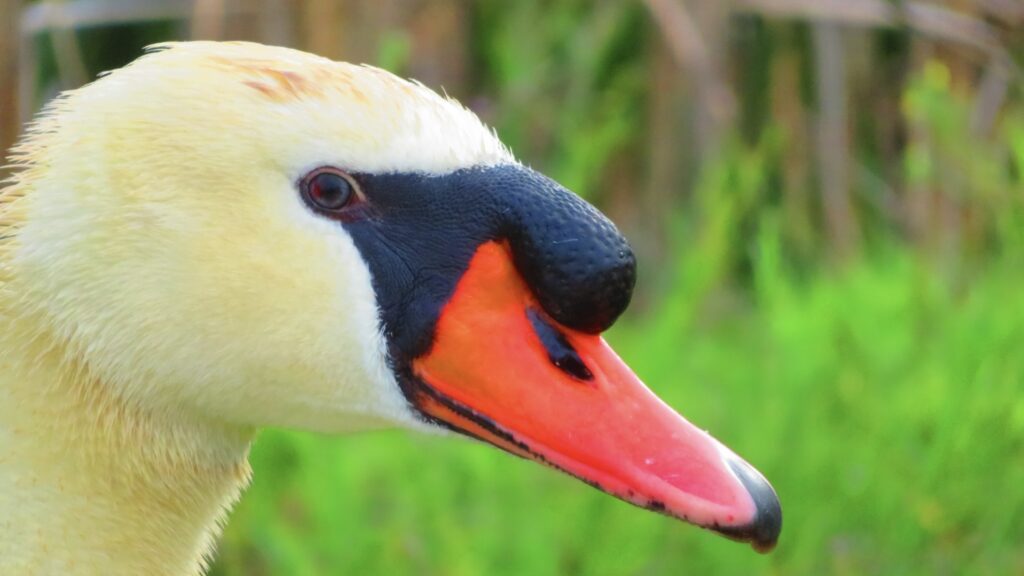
(257, 236)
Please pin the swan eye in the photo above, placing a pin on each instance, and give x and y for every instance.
(328, 190)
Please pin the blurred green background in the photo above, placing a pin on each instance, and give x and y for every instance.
(827, 198)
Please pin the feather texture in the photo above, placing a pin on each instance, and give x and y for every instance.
(164, 292)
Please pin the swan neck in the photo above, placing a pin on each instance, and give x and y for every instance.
(92, 484)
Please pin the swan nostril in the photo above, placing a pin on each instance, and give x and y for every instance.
(560, 351)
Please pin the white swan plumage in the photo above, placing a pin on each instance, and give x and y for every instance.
(165, 292)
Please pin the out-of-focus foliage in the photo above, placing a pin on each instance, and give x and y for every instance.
(882, 398)
(880, 388)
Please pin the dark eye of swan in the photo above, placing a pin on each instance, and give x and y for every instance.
(328, 190)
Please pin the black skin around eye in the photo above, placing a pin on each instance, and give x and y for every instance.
(423, 230)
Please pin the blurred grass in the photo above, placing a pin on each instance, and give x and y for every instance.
(881, 397)
(881, 394)
(884, 405)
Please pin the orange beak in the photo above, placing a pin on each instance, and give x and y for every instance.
(504, 372)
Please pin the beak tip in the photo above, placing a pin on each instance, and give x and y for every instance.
(763, 531)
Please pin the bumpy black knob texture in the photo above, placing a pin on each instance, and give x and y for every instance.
(581, 269)
(419, 232)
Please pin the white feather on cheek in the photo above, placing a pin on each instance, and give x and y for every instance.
(164, 291)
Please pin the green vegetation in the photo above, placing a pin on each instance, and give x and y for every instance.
(882, 397)
(883, 404)
(880, 388)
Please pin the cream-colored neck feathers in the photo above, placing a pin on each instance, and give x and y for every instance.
(164, 293)
(91, 485)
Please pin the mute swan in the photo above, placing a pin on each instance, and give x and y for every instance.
(225, 236)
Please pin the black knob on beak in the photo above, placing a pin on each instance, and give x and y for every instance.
(581, 269)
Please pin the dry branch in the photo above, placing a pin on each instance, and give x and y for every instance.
(921, 17)
(8, 71)
(833, 150)
(690, 51)
(208, 19)
(88, 13)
